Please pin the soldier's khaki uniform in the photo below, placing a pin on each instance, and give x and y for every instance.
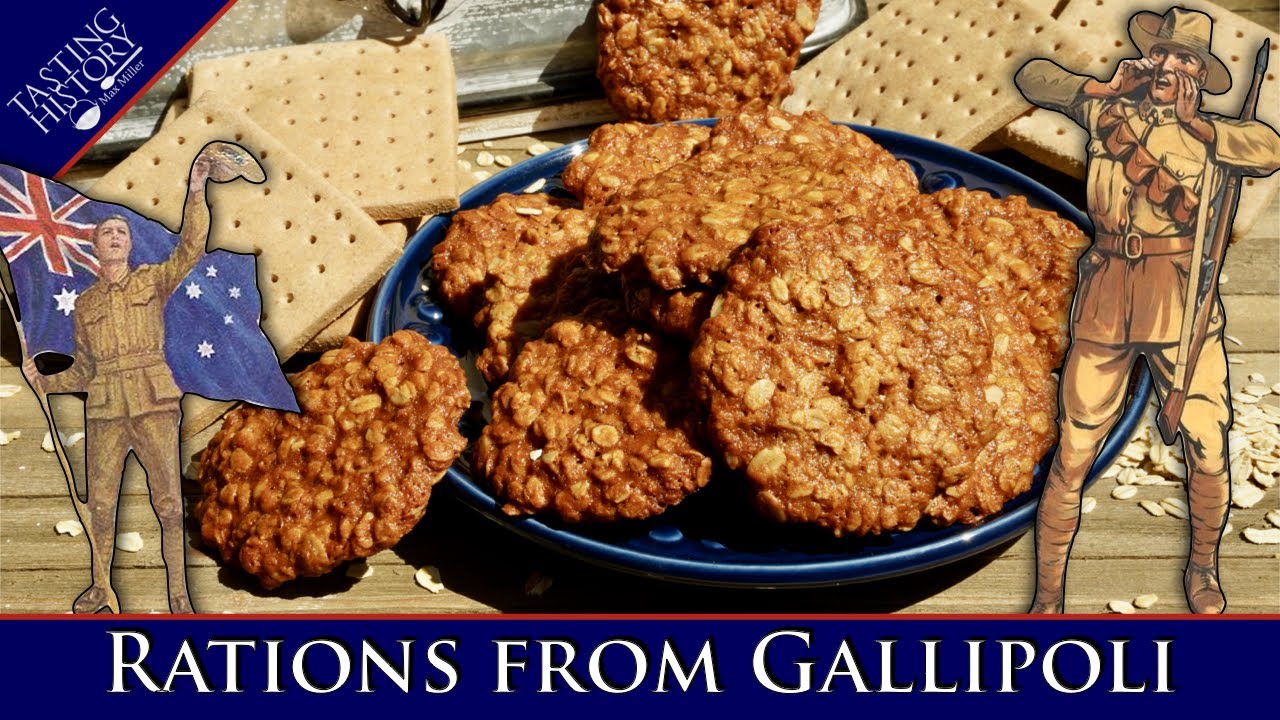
(1133, 280)
(133, 402)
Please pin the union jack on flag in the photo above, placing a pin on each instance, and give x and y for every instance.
(34, 218)
(213, 342)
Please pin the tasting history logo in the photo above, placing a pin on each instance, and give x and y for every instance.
(81, 77)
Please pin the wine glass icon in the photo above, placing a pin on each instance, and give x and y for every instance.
(85, 118)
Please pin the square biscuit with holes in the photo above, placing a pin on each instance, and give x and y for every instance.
(377, 118)
(1054, 140)
(318, 252)
(941, 69)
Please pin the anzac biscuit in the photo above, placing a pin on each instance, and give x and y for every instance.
(672, 312)
(290, 495)
(518, 238)
(595, 424)
(622, 154)
(676, 59)
(862, 383)
(680, 228)
(519, 307)
(1018, 255)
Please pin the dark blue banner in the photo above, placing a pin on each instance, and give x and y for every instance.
(71, 70)
(641, 667)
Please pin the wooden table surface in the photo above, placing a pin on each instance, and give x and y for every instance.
(1120, 553)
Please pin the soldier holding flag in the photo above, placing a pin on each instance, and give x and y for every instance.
(122, 347)
(1156, 167)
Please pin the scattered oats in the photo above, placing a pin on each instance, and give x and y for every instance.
(6, 438)
(359, 570)
(1245, 398)
(1088, 505)
(1273, 517)
(1265, 479)
(537, 584)
(1127, 476)
(1134, 451)
(535, 454)
(1124, 492)
(428, 577)
(1262, 536)
(68, 527)
(502, 160)
(130, 542)
(1152, 507)
(1111, 472)
(1148, 479)
(466, 166)
(461, 149)
(1233, 340)
(1176, 507)
(480, 174)
(1122, 607)
(1234, 361)
(1259, 390)
(484, 159)
(487, 143)
(528, 211)
(1226, 529)
(47, 443)
(536, 186)
(1222, 278)
(1245, 495)
(7, 390)
(1145, 601)
(71, 440)
(538, 149)
(1257, 378)
(1276, 388)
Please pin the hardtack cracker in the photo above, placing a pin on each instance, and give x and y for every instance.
(942, 70)
(351, 323)
(318, 251)
(377, 118)
(1052, 139)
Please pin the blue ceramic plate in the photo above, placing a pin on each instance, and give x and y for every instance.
(714, 537)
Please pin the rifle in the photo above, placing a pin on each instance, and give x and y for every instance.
(1201, 295)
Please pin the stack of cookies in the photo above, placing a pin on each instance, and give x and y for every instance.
(772, 297)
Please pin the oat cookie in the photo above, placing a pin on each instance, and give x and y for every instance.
(861, 383)
(680, 228)
(672, 312)
(620, 155)
(519, 307)
(678, 59)
(596, 424)
(517, 238)
(293, 495)
(1017, 254)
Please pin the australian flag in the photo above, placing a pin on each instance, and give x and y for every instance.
(213, 343)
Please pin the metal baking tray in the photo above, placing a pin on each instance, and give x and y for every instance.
(506, 53)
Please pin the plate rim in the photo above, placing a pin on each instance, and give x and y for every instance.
(958, 543)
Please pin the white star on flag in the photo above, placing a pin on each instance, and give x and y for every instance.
(228, 320)
(205, 349)
(211, 271)
(193, 290)
(234, 292)
(66, 301)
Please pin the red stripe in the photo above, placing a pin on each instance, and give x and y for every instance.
(137, 96)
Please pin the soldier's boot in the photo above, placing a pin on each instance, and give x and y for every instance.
(228, 161)
(1057, 520)
(168, 507)
(102, 536)
(1210, 495)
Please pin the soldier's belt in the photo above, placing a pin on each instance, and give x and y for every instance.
(1136, 245)
(129, 362)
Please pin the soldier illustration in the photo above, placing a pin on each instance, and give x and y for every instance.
(133, 401)
(1163, 179)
